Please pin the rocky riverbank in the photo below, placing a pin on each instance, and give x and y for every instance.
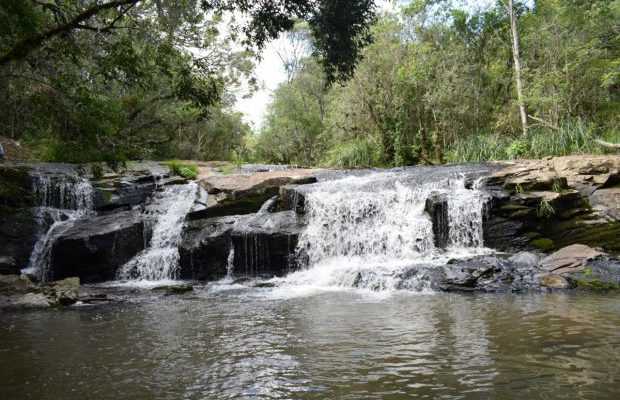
(249, 219)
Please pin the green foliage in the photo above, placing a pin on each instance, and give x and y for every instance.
(587, 272)
(543, 244)
(519, 189)
(108, 81)
(545, 209)
(517, 149)
(437, 85)
(96, 169)
(185, 170)
(596, 285)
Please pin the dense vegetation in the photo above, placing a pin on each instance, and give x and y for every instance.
(438, 84)
(123, 79)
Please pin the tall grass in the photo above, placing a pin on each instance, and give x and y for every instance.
(353, 154)
(478, 148)
(574, 137)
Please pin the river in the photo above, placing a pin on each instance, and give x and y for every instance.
(225, 341)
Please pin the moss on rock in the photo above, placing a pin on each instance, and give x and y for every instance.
(544, 244)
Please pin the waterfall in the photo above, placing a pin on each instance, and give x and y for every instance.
(372, 230)
(160, 260)
(58, 202)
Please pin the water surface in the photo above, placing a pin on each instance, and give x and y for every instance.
(224, 342)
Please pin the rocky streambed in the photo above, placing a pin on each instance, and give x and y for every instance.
(523, 225)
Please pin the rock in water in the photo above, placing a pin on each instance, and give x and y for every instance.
(64, 292)
(19, 292)
(174, 289)
(554, 281)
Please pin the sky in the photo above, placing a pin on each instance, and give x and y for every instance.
(270, 72)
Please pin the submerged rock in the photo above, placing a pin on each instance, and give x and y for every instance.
(173, 289)
(554, 281)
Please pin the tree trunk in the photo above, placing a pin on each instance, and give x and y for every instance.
(517, 61)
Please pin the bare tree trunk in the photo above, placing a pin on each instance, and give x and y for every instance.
(515, 54)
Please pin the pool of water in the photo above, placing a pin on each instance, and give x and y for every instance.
(227, 341)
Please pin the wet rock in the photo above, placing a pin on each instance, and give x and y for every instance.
(18, 229)
(205, 248)
(552, 203)
(607, 201)
(490, 274)
(236, 194)
(94, 248)
(291, 199)
(16, 284)
(17, 291)
(554, 281)
(265, 284)
(526, 258)
(601, 274)
(173, 289)
(569, 259)
(437, 208)
(264, 244)
(8, 265)
(116, 193)
(31, 300)
(64, 292)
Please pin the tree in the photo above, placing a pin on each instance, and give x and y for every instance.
(340, 28)
(517, 64)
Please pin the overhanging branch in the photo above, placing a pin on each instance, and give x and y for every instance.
(22, 48)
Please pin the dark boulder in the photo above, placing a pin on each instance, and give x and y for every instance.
(94, 248)
(264, 244)
(115, 193)
(205, 247)
(491, 274)
(18, 228)
(292, 199)
(437, 208)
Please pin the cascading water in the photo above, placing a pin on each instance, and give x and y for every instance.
(59, 201)
(160, 261)
(371, 231)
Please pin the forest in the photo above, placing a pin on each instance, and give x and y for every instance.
(426, 82)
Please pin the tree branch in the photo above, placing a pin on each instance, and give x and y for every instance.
(607, 144)
(25, 46)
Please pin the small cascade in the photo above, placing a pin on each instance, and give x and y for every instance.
(375, 231)
(59, 200)
(166, 215)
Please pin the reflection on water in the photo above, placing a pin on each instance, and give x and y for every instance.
(242, 343)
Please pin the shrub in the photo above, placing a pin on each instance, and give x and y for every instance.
(185, 170)
(517, 149)
(97, 170)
